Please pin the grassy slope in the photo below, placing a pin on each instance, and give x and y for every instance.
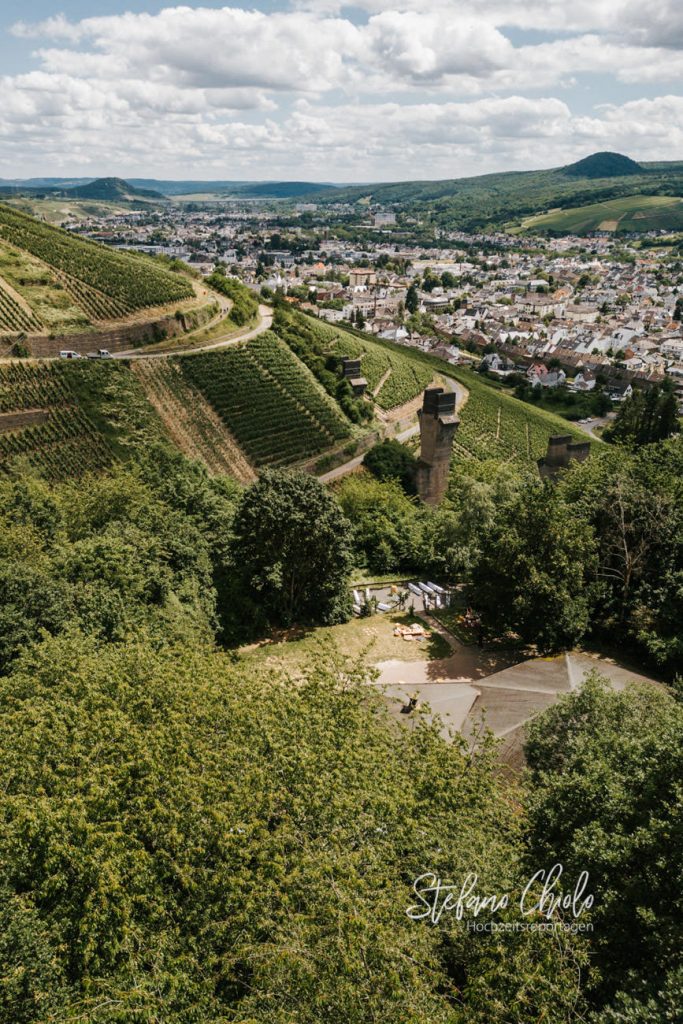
(56, 211)
(105, 283)
(40, 289)
(629, 214)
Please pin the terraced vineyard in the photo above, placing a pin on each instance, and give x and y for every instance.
(189, 420)
(405, 381)
(96, 304)
(269, 401)
(66, 443)
(405, 378)
(14, 316)
(493, 424)
(129, 282)
(32, 386)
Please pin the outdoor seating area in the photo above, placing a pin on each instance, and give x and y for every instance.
(402, 596)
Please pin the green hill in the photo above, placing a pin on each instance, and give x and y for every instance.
(603, 165)
(493, 424)
(628, 215)
(111, 189)
(52, 281)
(500, 200)
(243, 408)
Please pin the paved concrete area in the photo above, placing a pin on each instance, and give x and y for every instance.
(473, 689)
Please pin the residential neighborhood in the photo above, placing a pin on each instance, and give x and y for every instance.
(574, 312)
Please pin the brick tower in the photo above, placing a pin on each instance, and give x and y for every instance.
(438, 424)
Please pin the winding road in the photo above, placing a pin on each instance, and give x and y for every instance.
(348, 467)
(264, 324)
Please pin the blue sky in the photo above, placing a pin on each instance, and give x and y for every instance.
(316, 90)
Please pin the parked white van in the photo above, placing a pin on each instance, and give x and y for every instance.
(68, 353)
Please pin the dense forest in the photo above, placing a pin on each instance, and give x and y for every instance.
(186, 837)
(189, 836)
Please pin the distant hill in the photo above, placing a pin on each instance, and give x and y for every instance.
(628, 215)
(603, 165)
(103, 189)
(117, 189)
(492, 201)
(111, 189)
(283, 189)
(246, 189)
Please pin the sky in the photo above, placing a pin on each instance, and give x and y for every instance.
(316, 90)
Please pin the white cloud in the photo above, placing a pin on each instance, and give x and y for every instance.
(420, 88)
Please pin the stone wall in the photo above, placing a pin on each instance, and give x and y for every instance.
(115, 339)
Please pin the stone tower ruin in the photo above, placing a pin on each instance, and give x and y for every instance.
(438, 424)
(561, 451)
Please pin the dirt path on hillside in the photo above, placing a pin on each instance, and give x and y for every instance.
(264, 324)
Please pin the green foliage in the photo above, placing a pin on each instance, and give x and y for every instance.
(31, 386)
(469, 204)
(645, 417)
(404, 377)
(91, 413)
(388, 526)
(186, 839)
(312, 346)
(571, 404)
(603, 165)
(412, 299)
(633, 504)
(606, 798)
(291, 551)
(133, 281)
(533, 576)
(391, 460)
(244, 302)
(664, 1007)
(65, 444)
(113, 555)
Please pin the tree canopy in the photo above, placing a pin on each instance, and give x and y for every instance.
(606, 797)
(185, 838)
(292, 550)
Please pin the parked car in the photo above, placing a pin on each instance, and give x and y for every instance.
(68, 353)
(102, 353)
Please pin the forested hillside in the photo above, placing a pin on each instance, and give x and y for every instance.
(150, 780)
(469, 204)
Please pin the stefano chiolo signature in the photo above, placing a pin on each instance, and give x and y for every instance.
(436, 897)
